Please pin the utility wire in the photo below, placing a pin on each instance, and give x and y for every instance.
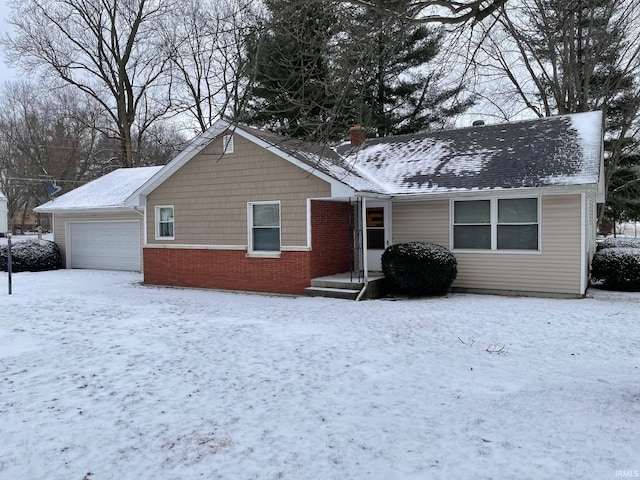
(44, 180)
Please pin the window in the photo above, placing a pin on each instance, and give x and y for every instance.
(496, 224)
(264, 227)
(164, 223)
(472, 224)
(375, 228)
(518, 224)
(227, 143)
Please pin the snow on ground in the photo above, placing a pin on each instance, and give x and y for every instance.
(103, 378)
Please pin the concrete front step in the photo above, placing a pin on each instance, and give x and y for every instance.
(347, 285)
(332, 292)
(323, 282)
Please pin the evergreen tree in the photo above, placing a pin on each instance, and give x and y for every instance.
(320, 67)
(398, 92)
(291, 93)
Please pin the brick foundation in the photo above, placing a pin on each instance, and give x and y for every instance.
(233, 270)
(227, 269)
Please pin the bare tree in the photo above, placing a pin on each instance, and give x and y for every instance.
(435, 11)
(44, 138)
(214, 46)
(108, 49)
(206, 41)
(557, 56)
(160, 143)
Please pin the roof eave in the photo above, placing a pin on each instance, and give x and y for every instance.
(518, 191)
(110, 208)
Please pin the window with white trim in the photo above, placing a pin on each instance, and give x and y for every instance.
(472, 224)
(227, 143)
(496, 224)
(264, 226)
(164, 222)
(517, 224)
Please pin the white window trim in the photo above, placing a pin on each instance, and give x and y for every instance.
(494, 226)
(157, 222)
(227, 144)
(263, 253)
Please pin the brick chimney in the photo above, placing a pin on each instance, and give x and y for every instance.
(357, 135)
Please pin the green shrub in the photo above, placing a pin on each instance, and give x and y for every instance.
(419, 268)
(31, 256)
(619, 242)
(618, 268)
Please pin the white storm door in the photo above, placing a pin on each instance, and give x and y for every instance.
(377, 223)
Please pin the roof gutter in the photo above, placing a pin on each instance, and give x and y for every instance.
(373, 195)
(502, 192)
(119, 208)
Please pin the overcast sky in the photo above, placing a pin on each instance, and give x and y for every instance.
(5, 72)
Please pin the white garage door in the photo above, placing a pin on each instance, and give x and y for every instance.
(105, 245)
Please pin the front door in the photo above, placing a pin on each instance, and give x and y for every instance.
(378, 238)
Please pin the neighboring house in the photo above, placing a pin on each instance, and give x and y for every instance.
(244, 209)
(4, 227)
(98, 225)
(27, 221)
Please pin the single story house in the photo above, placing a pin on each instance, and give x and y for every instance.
(4, 226)
(25, 221)
(245, 209)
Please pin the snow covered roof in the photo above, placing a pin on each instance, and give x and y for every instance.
(564, 150)
(111, 191)
(2, 197)
(554, 151)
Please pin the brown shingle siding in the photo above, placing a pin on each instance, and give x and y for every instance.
(210, 195)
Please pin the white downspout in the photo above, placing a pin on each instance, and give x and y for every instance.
(583, 246)
(365, 266)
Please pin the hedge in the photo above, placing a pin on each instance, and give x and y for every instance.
(618, 268)
(618, 242)
(419, 268)
(31, 256)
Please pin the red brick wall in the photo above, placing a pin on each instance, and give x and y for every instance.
(227, 269)
(233, 270)
(331, 238)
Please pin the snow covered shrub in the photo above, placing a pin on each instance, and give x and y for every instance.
(31, 256)
(619, 268)
(620, 242)
(419, 268)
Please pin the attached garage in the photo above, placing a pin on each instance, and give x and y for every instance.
(100, 225)
(104, 245)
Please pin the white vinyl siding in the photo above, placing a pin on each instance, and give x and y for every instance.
(555, 269)
(590, 227)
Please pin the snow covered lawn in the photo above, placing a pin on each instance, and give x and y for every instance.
(103, 378)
